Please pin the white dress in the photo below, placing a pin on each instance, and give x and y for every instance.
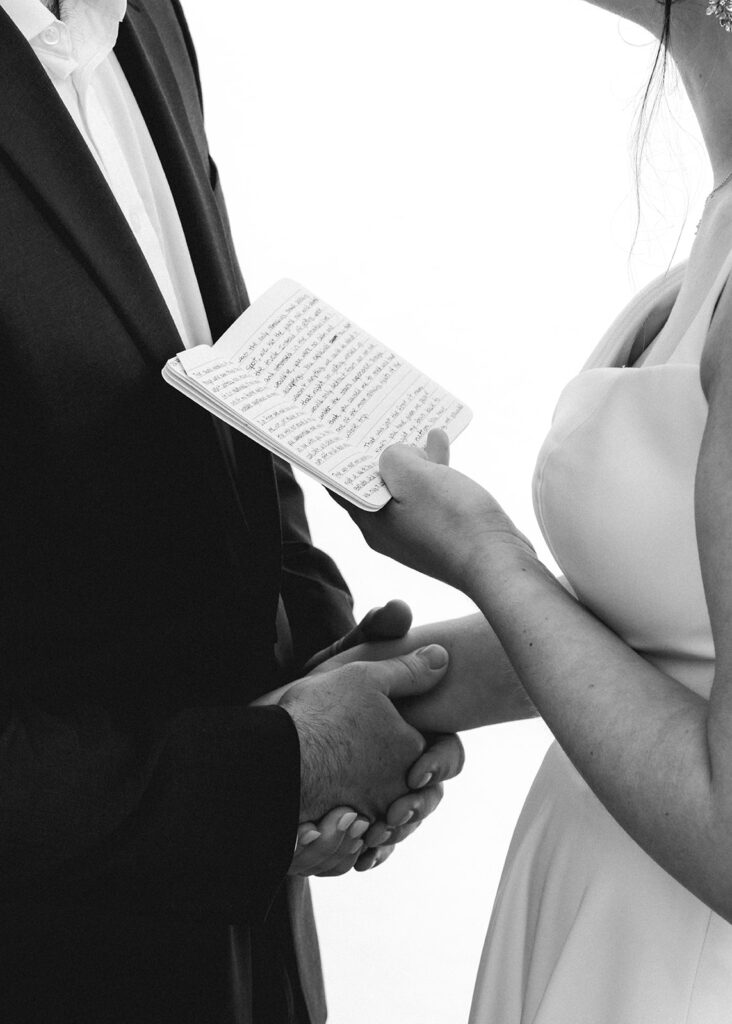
(586, 928)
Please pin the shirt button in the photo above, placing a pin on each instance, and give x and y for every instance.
(50, 35)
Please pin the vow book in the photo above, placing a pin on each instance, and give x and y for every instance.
(302, 380)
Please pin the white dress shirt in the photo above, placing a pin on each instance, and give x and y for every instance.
(76, 53)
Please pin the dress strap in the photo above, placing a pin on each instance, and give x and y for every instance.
(614, 347)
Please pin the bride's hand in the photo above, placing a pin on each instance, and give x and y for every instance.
(439, 521)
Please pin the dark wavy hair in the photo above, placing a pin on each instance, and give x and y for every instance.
(654, 87)
(651, 98)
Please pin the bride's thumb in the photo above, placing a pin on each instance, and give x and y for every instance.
(398, 463)
(437, 447)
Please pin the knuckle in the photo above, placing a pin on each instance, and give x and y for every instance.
(430, 801)
(420, 743)
(329, 845)
(435, 802)
(354, 673)
(412, 665)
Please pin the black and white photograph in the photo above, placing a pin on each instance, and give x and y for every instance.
(366, 485)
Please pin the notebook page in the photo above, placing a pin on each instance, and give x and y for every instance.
(335, 396)
(281, 425)
(292, 339)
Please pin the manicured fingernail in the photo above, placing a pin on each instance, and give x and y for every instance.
(434, 655)
(346, 821)
(310, 837)
(357, 830)
(356, 848)
(424, 780)
(407, 817)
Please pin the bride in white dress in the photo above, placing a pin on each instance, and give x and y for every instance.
(616, 898)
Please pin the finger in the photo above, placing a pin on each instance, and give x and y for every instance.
(343, 862)
(398, 835)
(321, 851)
(438, 447)
(390, 622)
(408, 675)
(398, 459)
(339, 500)
(442, 759)
(352, 639)
(366, 860)
(414, 807)
(373, 858)
(319, 843)
(307, 833)
(379, 834)
(359, 516)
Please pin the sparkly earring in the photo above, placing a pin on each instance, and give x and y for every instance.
(722, 11)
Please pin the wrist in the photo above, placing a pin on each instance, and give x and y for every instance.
(495, 563)
(315, 760)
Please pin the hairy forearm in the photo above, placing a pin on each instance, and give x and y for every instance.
(639, 737)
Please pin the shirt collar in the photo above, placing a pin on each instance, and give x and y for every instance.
(31, 17)
(76, 45)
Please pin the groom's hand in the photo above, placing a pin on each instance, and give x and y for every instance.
(392, 621)
(442, 759)
(356, 750)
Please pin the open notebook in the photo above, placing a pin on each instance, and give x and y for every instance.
(303, 381)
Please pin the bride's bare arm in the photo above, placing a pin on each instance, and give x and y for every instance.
(657, 755)
(479, 688)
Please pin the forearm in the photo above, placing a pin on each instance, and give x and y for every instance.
(638, 737)
(481, 686)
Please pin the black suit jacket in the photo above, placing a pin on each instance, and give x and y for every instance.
(146, 813)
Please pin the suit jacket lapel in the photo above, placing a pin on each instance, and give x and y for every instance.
(168, 99)
(170, 105)
(38, 137)
(176, 125)
(43, 147)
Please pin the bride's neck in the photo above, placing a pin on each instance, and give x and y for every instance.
(702, 51)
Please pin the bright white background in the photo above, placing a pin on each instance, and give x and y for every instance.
(458, 179)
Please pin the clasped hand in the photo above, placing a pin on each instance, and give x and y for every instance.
(356, 747)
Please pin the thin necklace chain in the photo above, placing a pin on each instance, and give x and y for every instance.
(711, 195)
(719, 186)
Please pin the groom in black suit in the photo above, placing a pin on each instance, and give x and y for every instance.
(150, 562)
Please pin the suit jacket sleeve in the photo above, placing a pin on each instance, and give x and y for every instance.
(317, 600)
(196, 815)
